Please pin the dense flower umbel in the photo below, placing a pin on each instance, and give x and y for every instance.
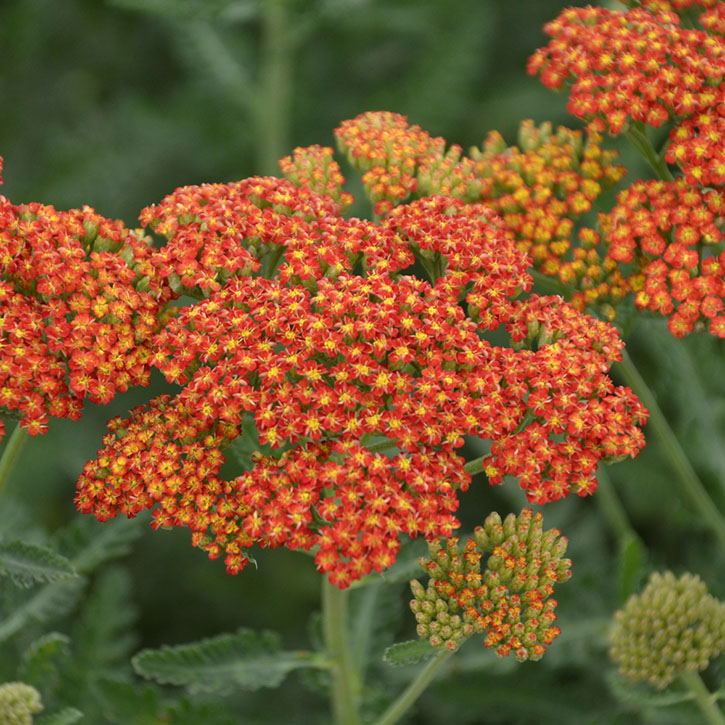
(631, 67)
(673, 626)
(325, 361)
(80, 301)
(509, 602)
(670, 235)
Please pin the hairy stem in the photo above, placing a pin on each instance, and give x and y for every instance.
(414, 690)
(707, 702)
(345, 678)
(12, 449)
(690, 484)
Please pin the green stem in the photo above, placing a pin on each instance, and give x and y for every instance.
(345, 678)
(639, 139)
(274, 87)
(475, 466)
(690, 484)
(705, 700)
(414, 690)
(10, 454)
(273, 260)
(612, 508)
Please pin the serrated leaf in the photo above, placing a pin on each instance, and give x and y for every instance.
(408, 653)
(244, 660)
(66, 716)
(52, 600)
(27, 564)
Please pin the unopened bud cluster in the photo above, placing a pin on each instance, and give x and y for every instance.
(18, 703)
(509, 601)
(673, 626)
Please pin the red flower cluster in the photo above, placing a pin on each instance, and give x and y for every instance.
(509, 602)
(326, 361)
(81, 301)
(668, 231)
(540, 189)
(631, 67)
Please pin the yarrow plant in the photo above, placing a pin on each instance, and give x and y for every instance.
(328, 370)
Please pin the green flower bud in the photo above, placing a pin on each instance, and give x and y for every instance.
(512, 606)
(672, 626)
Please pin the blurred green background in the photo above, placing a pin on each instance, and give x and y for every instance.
(114, 104)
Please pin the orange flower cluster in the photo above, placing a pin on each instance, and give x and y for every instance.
(510, 602)
(631, 67)
(539, 189)
(671, 234)
(81, 300)
(314, 168)
(329, 363)
(678, 6)
(388, 151)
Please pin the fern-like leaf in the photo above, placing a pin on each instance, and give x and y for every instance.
(27, 564)
(52, 600)
(244, 660)
(89, 543)
(408, 653)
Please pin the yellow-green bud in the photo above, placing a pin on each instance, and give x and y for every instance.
(18, 703)
(672, 626)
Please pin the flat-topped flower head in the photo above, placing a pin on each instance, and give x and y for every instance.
(630, 67)
(334, 351)
(508, 600)
(672, 626)
(81, 300)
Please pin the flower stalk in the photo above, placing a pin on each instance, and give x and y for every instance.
(705, 700)
(345, 678)
(414, 690)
